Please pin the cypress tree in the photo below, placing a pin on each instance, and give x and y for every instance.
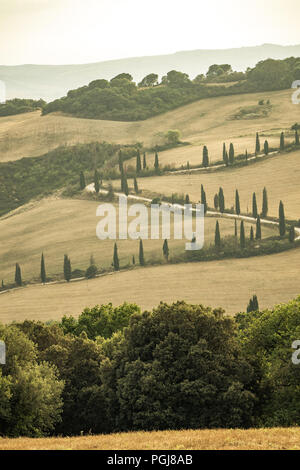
(242, 235)
(136, 188)
(120, 161)
(138, 162)
(144, 162)
(251, 234)
(124, 184)
(156, 162)
(188, 165)
(226, 158)
(187, 199)
(282, 144)
(254, 206)
(166, 250)
(216, 202)
(203, 199)
(221, 200)
(253, 305)
(116, 263)
(97, 181)
(43, 269)
(205, 160)
(231, 154)
(237, 203)
(292, 234)
(258, 228)
(297, 142)
(133, 260)
(265, 208)
(282, 227)
(82, 181)
(257, 144)
(246, 155)
(141, 254)
(217, 235)
(266, 147)
(67, 268)
(224, 154)
(18, 275)
(235, 228)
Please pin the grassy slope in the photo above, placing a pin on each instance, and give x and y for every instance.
(221, 439)
(203, 122)
(59, 226)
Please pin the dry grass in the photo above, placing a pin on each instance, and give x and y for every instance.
(225, 283)
(222, 439)
(203, 122)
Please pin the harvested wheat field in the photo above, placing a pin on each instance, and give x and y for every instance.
(274, 278)
(206, 122)
(221, 439)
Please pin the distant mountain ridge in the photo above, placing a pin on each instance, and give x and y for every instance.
(54, 81)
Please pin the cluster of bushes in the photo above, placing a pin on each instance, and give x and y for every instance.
(178, 366)
(18, 106)
(122, 100)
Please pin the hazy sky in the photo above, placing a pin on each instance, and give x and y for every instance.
(80, 31)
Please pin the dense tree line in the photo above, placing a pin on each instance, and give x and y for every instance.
(179, 366)
(19, 106)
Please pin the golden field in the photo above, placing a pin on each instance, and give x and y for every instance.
(221, 439)
(205, 122)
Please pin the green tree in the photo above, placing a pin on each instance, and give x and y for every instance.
(258, 228)
(135, 183)
(282, 226)
(187, 199)
(97, 181)
(67, 268)
(282, 141)
(265, 208)
(237, 203)
(121, 168)
(149, 81)
(82, 181)
(141, 254)
(235, 228)
(91, 271)
(242, 235)
(205, 159)
(251, 234)
(297, 141)
(138, 162)
(116, 263)
(221, 200)
(43, 270)
(144, 162)
(156, 162)
(266, 147)
(203, 198)
(292, 234)
(254, 206)
(216, 202)
(18, 275)
(217, 236)
(166, 250)
(253, 305)
(231, 154)
(257, 144)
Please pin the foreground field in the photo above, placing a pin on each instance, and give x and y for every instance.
(205, 122)
(227, 283)
(222, 439)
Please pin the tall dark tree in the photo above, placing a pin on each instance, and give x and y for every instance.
(217, 235)
(67, 268)
(187, 199)
(237, 203)
(266, 147)
(121, 161)
(97, 181)
(203, 199)
(258, 228)
(136, 188)
(221, 200)
(251, 234)
(231, 154)
(225, 155)
(124, 184)
(166, 249)
(141, 254)
(265, 207)
(144, 162)
(282, 141)
(216, 202)
(18, 275)
(292, 234)
(257, 144)
(116, 262)
(138, 162)
(246, 155)
(297, 141)
(82, 181)
(282, 226)
(253, 305)
(156, 162)
(254, 206)
(205, 160)
(242, 235)
(43, 270)
(235, 228)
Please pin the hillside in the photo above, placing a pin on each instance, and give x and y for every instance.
(199, 123)
(53, 81)
(221, 439)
